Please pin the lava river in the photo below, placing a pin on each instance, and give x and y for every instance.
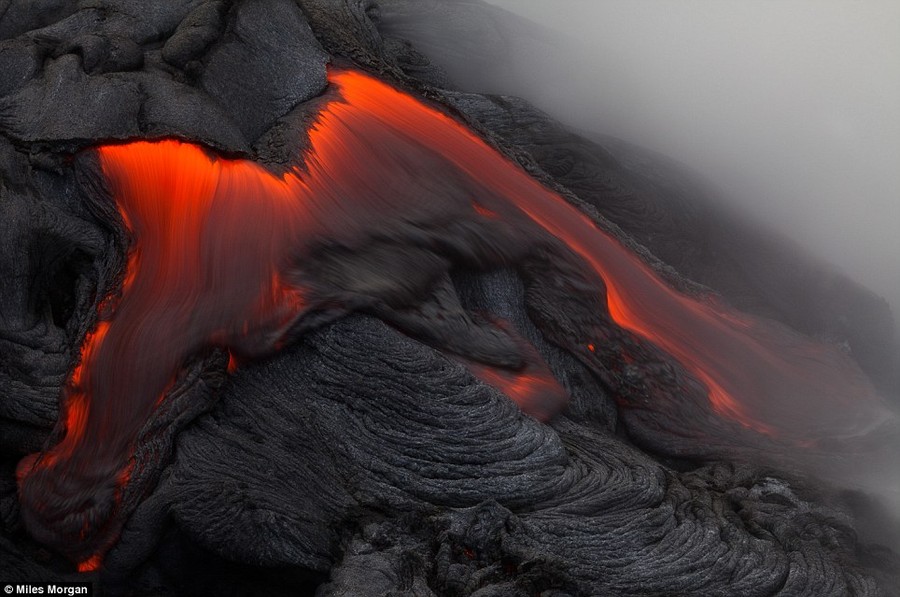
(214, 242)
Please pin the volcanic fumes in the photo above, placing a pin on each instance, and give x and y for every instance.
(222, 252)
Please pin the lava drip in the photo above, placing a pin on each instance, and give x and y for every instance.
(217, 257)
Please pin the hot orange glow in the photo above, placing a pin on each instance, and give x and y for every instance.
(216, 244)
(91, 564)
(483, 211)
(211, 240)
(535, 390)
(758, 374)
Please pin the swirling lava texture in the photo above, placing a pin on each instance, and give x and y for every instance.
(225, 253)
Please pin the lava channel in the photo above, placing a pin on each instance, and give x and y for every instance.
(213, 244)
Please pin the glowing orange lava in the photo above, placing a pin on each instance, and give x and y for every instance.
(757, 373)
(91, 564)
(534, 390)
(215, 244)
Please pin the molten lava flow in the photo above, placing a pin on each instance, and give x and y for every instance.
(210, 239)
(215, 243)
(757, 374)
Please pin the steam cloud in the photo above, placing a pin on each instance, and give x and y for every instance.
(789, 107)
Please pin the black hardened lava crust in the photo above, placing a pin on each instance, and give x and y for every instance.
(360, 460)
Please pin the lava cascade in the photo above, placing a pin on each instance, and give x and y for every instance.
(214, 242)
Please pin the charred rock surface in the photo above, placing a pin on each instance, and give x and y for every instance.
(120, 70)
(365, 457)
(463, 493)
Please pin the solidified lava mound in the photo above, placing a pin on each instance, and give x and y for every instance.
(283, 312)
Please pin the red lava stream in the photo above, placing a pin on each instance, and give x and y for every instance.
(213, 238)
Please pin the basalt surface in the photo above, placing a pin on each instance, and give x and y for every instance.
(440, 393)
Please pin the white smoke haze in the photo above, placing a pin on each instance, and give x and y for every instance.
(792, 107)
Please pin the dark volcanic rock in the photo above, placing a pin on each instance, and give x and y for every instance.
(269, 43)
(118, 70)
(365, 458)
(50, 255)
(331, 449)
